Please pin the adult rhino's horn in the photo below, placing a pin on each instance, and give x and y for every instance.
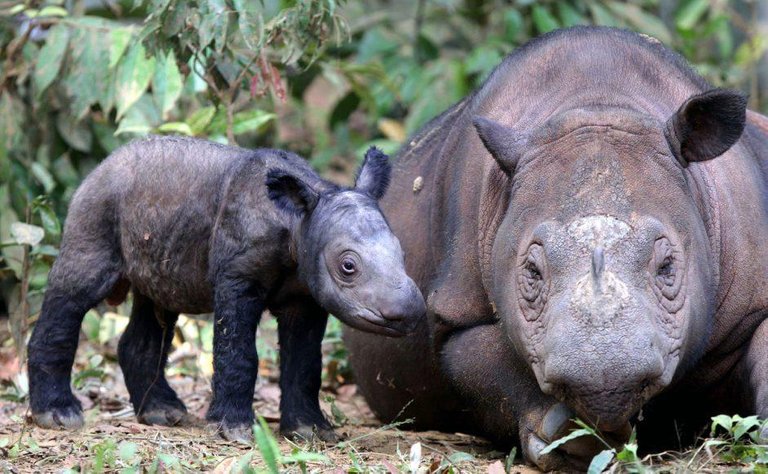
(706, 125)
(503, 142)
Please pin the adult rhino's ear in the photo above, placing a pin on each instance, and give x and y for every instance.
(706, 125)
(373, 176)
(503, 142)
(290, 193)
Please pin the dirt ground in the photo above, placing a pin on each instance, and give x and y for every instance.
(112, 440)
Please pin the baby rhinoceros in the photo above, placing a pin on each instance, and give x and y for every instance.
(193, 226)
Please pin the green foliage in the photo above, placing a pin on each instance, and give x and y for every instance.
(270, 451)
(626, 457)
(324, 78)
(741, 440)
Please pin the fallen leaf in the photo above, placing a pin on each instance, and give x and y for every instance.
(225, 466)
(496, 468)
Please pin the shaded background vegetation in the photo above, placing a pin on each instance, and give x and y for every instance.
(323, 78)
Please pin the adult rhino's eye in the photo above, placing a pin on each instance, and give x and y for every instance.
(532, 281)
(666, 274)
(666, 270)
(532, 271)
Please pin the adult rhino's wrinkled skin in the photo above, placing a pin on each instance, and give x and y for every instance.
(590, 230)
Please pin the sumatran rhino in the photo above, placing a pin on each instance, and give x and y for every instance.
(590, 231)
(192, 226)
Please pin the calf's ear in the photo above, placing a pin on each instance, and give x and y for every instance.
(373, 176)
(502, 142)
(706, 125)
(290, 193)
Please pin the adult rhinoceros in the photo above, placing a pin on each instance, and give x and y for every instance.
(590, 230)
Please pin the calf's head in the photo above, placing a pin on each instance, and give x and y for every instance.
(602, 268)
(347, 255)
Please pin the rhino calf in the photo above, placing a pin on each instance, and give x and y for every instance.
(192, 226)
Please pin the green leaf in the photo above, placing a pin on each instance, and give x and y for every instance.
(119, 40)
(200, 119)
(600, 462)
(213, 25)
(85, 80)
(569, 16)
(267, 444)
(26, 234)
(628, 453)
(251, 121)
(744, 425)
(641, 20)
(49, 220)
(543, 19)
(690, 14)
(134, 73)
(50, 58)
(513, 24)
(53, 10)
(250, 23)
(43, 176)
(305, 457)
(572, 435)
(723, 421)
(460, 456)
(127, 450)
(602, 16)
(167, 83)
(140, 119)
(75, 132)
(180, 128)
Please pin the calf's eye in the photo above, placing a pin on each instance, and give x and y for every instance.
(348, 267)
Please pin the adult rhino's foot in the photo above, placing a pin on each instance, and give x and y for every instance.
(69, 418)
(539, 432)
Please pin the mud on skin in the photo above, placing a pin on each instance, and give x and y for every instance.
(194, 227)
(586, 235)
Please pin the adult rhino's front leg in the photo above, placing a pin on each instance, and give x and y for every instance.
(756, 365)
(507, 402)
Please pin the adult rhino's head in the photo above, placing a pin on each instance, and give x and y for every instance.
(603, 272)
(347, 255)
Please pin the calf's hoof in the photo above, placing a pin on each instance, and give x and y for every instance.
(311, 433)
(237, 433)
(70, 418)
(165, 416)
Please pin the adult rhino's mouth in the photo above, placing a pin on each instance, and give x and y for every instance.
(608, 410)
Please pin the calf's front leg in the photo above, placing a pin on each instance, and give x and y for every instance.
(301, 328)
(238, 305)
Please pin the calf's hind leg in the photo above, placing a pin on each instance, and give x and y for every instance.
(301, 329)
(81, 277)
(143, 353)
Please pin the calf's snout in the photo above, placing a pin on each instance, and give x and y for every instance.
(406, 307)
